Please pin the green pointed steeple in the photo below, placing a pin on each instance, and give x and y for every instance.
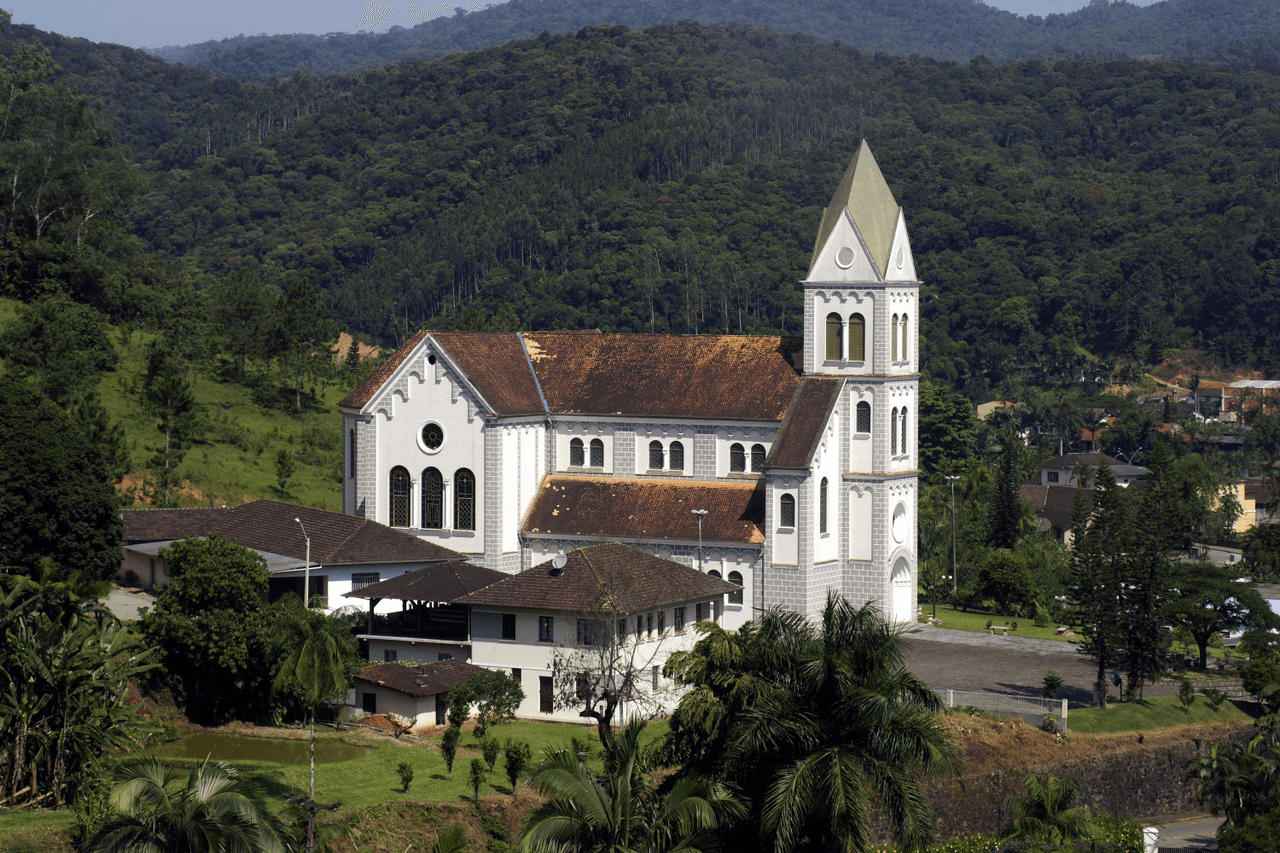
(864, 192)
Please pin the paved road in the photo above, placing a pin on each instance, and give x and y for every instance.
(1183, 831)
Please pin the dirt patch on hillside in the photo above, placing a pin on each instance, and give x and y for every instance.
(986, 744)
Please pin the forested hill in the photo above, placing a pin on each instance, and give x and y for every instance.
(941, 29)
(672, 180)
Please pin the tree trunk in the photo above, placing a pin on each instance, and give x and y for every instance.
(311, 806)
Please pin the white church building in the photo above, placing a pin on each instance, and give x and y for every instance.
(786, 466)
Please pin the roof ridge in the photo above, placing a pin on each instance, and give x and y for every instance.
(537, 381)
(355, 530)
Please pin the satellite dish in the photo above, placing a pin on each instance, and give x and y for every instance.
(558, 561)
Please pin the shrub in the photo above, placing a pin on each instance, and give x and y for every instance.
(1214, 697)
(477, 777)
(449, 746)
(1186, 696)
(489, 748)
(405, 771)
(1052, 684)
(519, 755)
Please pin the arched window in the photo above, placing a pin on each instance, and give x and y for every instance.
(597, 453)
(575, 453)
(351, 455)
(857, 338)
(735, 597)
(432, 499)
(737, 458)
(787, 511)
(715, 573)
(864, 417)
(893, 343)
(676, 453)
(904, 431)
(835, 346)
(904, 337)
(464, 500)
(893, 433)
(656, 456)
(400, 486)
(822, 506)
(757, 457)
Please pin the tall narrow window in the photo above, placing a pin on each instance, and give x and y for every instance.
(676, 452)
(757, 457)
(904, 430)
(351, 455)
(575, 453)
(857, 338)
(735, 597)
(893, 334)
(597, 453)
(893, 433)
(904, 337)
(787, 511)
(737, 458)
(822, 506)
(864, 417)
(464, 500)
(835, 346)
(400, 487)
(656, 456)
(432, 499)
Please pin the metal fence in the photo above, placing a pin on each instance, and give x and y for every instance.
(1032, 708)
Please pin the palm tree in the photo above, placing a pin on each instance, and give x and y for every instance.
(1048, 814)
(216, 811)
(809, 721)
(621, 813)
(314, 665)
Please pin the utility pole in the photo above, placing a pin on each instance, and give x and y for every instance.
(306, 574)
(955, 583)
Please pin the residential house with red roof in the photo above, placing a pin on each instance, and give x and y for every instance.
(785, 466)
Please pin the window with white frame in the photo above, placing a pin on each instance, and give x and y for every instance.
(359, 580)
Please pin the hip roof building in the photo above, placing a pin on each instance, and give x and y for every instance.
(514, 447)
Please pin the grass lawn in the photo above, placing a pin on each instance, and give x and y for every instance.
(1159, 712)
(976, 620)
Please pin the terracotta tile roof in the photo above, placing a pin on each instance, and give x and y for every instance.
(438, 582)
(269, 526)
(1054, 503)
(609, 576)
(424, 679)
(496, 363)
(365, 391)
(807, 416)
(633, 509)
(711, 377)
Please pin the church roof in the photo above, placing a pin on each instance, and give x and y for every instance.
(269, 527)
(807, 417)
(641, 509)
(863, 192)
(708, 377)
(610, 576)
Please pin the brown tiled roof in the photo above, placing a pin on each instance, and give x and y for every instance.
(609, 576)
(632, 509)
(161, 525)
(496, 363)
(1054, 503)
(735, 377)
(438, 582)
(807, 416)
(269, 526)
(365, 390)
(424, 679)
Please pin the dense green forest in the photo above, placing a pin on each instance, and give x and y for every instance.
(939, 29)
(672, 180)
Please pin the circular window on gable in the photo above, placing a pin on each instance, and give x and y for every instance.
(431, 437)
(844, 258)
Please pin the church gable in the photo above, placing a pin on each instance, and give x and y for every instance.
(902, 265)
(844, 257)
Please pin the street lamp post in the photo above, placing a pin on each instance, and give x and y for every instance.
(700, 513)
(955, 583)
(306, 574)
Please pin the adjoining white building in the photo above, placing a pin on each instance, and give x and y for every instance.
(512, 448)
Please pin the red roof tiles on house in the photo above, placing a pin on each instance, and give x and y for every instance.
(609, 577)
(496, 363)
(365, 391)
(439, 582)
(269, 526)
(647, 509)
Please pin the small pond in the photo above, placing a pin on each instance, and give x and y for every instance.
(229, 747)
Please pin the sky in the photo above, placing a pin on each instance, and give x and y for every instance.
(157, 23)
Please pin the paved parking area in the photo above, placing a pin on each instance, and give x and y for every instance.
(966, 660)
